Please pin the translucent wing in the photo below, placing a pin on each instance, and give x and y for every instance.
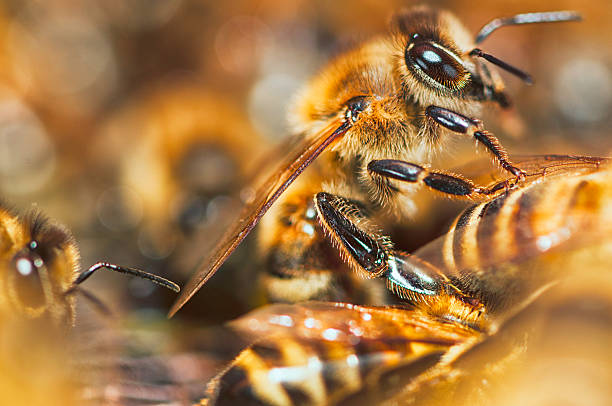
(131, 365)
(297, 158)
(343, 322)
(537, 167)
(152, 380)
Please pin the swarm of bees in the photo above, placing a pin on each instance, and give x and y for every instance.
(473, 316)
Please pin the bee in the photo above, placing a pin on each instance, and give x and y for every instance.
(40, 262)
(472, 299)
(397, 96)
(189, 152)
(39, 276)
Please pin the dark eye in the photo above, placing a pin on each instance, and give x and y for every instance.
(28, 286)
(436, 65)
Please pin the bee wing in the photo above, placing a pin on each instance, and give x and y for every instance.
(115, 364)
(296, 160)
(560, 207)
(154, 380)
(348, 323)
(536, 167)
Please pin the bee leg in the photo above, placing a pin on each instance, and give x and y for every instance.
(360, 245)
(464, 125)
(447, 183)
(370, 253)
(419, 281)
(300, 264)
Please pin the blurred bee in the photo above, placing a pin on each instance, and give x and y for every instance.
(39, 274)
(40, 262)
(472, 300)
(186, 161)
(399, 95)
(190, 155)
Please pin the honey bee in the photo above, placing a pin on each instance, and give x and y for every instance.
(39, 276)
(474, 298)
(189, 151)
(40, 262)
(397, 96)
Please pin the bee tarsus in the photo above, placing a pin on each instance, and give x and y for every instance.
(464, 125)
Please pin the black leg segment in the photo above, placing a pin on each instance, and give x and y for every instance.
(396, 169)
(365, 250)
(450, 184)
(471, 126)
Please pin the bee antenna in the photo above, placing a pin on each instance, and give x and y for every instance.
(92, 298)
(130, 271)
(524, 76)
(528, 18)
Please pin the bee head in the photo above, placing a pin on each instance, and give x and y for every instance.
(38, 261)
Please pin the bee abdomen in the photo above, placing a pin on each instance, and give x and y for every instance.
(491, 240)
(292, 372)
(523, 222)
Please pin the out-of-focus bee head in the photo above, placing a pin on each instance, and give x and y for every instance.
(191, 154)
(40, 352)
(38, 264)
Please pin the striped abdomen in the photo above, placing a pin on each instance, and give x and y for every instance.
(288, 372)
(321, 353)
(488, 240)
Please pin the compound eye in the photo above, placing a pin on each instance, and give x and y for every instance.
(436, 65)
(27, 283)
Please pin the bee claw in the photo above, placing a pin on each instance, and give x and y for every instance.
(519, 177)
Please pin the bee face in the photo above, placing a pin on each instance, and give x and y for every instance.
(38, 260)
(423, 59)
(42, 348)
(384, 88)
